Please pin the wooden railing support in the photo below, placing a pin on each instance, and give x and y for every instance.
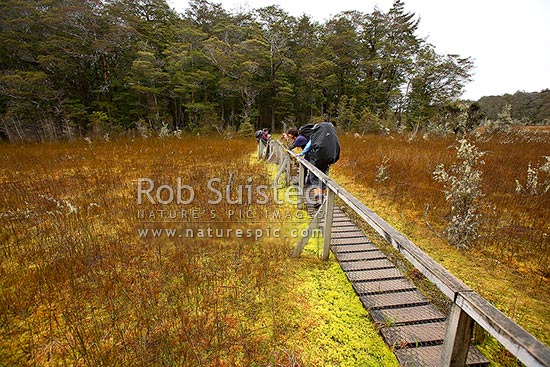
(457, 338)
(287, 170)
(327, 230)
(313, 226)
(282, 167)
(301, 179)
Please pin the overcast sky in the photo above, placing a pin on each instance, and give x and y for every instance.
(509, 40)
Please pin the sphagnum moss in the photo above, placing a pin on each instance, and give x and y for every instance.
(337, 330)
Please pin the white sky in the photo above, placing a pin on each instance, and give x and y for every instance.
(509, 40)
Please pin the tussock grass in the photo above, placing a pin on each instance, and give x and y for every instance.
(79, 287)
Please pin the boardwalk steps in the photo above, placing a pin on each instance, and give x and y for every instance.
(408, 322)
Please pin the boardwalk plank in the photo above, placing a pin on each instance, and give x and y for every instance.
(349, 241)
(354, 256)
(383, 286)
(430, 356)
(341, 221)
(412, 314)
(407, 336)
(375, 274)
(366, 265)
(344, 227)
(388, 300)
(354, 248)
(349, 234)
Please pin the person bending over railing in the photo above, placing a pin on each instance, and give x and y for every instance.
(322, 150)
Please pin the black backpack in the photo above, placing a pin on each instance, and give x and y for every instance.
(325, 146)
(306, 130)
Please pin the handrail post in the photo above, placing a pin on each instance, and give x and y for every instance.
(327, 230)
(457, 338)
(313, 226)
(287, 172)
(282, 167)
(301, 179)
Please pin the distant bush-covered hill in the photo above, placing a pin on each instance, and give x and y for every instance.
(528, 108)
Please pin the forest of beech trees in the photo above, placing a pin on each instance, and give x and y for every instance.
(526, 108)
(78, 67)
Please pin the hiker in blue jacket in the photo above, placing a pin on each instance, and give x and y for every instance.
(296, 139)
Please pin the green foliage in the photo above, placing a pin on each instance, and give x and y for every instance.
(246, 129)
(370, 122)
(528, 108)
(502, 124)
(139, 60)
(346, 117)
(437, 79)
(342, 334)
(98, 122)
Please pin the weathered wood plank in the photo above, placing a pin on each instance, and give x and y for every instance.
(350, 241)
(348, 234)
(341, 220)
(374, 274)
(313, 225)
(406, 315)
(457, 338)
(354, 256)
(389, 300)
(431, 357)
(366, 265)
(327, 231)
(354, 248)
(383, 286)
(344, 227)
(407, 336)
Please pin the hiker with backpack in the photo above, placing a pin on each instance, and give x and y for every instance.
(262, 137)
(296, 139)
(322, 150)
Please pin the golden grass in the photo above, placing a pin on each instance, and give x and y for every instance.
(510, 265)
(80, 287)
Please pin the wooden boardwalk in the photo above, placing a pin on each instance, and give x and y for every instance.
(418, 332)
(408, 322)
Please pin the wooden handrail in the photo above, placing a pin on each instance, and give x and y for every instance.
(517, 340)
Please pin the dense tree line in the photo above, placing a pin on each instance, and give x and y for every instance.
(527, 108)
(75, 67)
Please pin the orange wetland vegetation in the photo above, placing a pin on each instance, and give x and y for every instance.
(510, 263)
(79, 286)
